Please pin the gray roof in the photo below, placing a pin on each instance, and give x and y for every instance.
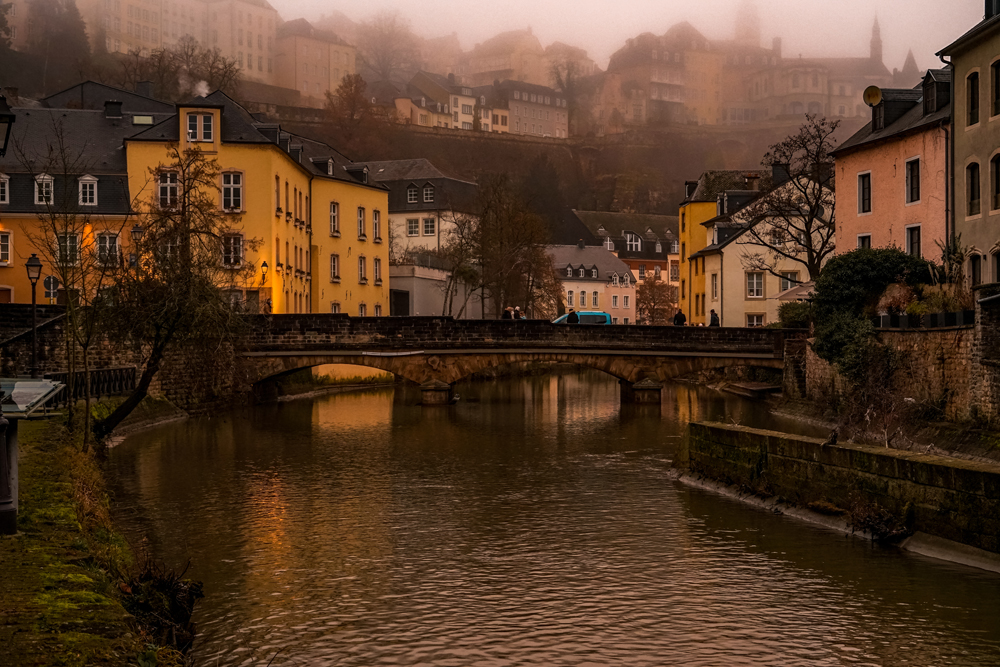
(713, 183)
(913, 120)
(588, 257)
(404, 170)
(93, 95)
(662, 227)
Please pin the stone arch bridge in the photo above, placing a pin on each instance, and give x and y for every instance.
(436, 352)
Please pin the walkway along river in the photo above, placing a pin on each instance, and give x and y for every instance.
(532, 523)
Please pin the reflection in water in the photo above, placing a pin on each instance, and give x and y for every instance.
(533, 523)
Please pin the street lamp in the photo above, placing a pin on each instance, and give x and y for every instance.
(7, 119)
(34, 267)
(263, 272)
(137, 233)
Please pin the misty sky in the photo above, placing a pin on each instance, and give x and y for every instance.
(809, 27)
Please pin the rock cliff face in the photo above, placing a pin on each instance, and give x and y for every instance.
(640, 171)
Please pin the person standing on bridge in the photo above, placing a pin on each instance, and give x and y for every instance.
(573, 317)
(679, 319)
(518, 315)
(508, 313)
(714, 320)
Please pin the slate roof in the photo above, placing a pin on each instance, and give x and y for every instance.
(913, 120)
(302, 28)
(397, 176)
(648, 226)
(404, 170)
(713, 183)
(93, 95)
(588, 257)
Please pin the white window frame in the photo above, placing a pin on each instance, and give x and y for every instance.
(85, 183)
(204, 127)
(334, 219)
(232, 191)
(633, 243)
(105, 258)
(170, 187)
(378, 310)
(614, 300)
(871, 203)
(428, 194)
(362, 270)
(625, 302)
(63, 254)
(4, 187)
(231, 242)
(334, 268)
(6, 243)
(789, 283)
(412, 194)
(377, 270)
(593, 274)
(377, 225)
(362, 310)
(752, 288)
(335, 307)
(433, 226)
(41, 181)
(413, 226)
(751, 317)
(906, 231)
(361, 224)
(614, 280)
(594, 299)
(569, 297)
(715, 287)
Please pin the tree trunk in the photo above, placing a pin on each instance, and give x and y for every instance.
(103, 428)
(86, 399)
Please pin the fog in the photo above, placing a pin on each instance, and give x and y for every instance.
(807, 27)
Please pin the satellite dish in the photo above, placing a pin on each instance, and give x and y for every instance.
(873, 96)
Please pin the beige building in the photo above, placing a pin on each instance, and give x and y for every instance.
(594, 279)
(311, 61)
(533, 110)
(515, 55)
(17, 21)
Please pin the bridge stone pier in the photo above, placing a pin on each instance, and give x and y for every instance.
(436, 352)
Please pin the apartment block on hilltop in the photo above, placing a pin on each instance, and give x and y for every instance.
(892, 174)
(516, 55)
(312, 61)
(975, 199)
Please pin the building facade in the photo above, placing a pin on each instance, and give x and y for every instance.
(975, 61)
(648, 244)
(312, 61)
(594, 279)
(892, 175)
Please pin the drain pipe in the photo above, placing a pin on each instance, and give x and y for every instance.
(949, 147)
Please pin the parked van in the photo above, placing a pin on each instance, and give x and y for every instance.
(587, 317)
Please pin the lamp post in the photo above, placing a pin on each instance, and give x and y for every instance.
(7, 119)
(263, 272)
(34, 267)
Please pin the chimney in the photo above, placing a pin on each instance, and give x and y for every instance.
(752, 181)
(112, 109)
(144, 88)
(780, 173)
(992, 8)
(580, 244)
(776, 46)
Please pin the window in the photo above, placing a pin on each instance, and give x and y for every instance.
(625, 301)
(232, 191)
(411, 194)
(755, 285)
(467, 109)
(878, 117)
(428, 194)
(913, 181)
(569, 271)
(361, 223)
(429, 226)
(754, 321)
(107, 249)
(204, 123)
(43, 189)
(972, 97)
(865, 193)
(413, 227)
(864, 241)
(609, 245)
(627, 280)
(789, 279)
(377, 225)
(625, 321)
(334, 268)
(569, 298)
(377, 270)
(715, 287)
(4, 189)
(614, 301)
(674, 247)
(378, 310)
(69, 249)
(334, 219)
(168, 189)
(593, 299)
(362, 310)
(362, 270)
(633, 243)
(232, 250)
(913, 241)
(593, 273)
(614, 320)
(614, 280)
(976, 270)
(88, 191)
(583, 299)
(4, 248)
(995, 78)
(995, 183)
(642, 272)
(972, 188)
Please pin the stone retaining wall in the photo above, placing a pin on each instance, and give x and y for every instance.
(947, 498)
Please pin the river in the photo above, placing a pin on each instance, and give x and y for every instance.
(533, 523)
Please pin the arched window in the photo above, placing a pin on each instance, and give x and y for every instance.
(569, 271)
(972, 188)
(972, 97)
(593, 273)
(995, 183)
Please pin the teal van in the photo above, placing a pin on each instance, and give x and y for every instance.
(587, 317)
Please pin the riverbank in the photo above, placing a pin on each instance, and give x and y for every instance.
(933, 505)
(58, 603)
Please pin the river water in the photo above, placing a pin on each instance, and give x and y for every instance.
(534, 523)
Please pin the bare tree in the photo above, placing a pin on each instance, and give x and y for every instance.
(81, 248)
(566, 75)
(795, 220)
(359, 125)
(387, 46)
(189, 266)
(654, 301)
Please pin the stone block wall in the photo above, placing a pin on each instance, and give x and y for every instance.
(985, 362)
(948, 498)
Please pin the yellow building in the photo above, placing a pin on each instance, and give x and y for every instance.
(704, 200)
(321, 225)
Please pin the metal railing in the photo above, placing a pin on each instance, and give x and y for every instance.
(103, 382)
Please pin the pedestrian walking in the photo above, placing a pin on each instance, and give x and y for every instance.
(714, 320)
(679, 319)
(518, 315)
(573, 317)
(508, 313)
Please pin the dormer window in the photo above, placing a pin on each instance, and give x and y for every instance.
(43, 189)
(609, 244)
(200, 127)
(569, 271)
(614, 279)
(627, 280)
(411, 194)
(675, 247)
(593, 273)
(632, 242)
(423, 102)
(428, 194)
(329, 167)
(581, 272)
(659, 248)
(88, 191)
(878, 117)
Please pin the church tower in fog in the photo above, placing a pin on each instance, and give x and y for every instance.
(748, 24)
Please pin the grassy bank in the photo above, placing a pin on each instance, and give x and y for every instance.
(64, 588)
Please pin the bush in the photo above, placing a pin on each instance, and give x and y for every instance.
(853, 283)
(795, 315)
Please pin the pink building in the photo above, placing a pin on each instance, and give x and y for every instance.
(892, 175)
